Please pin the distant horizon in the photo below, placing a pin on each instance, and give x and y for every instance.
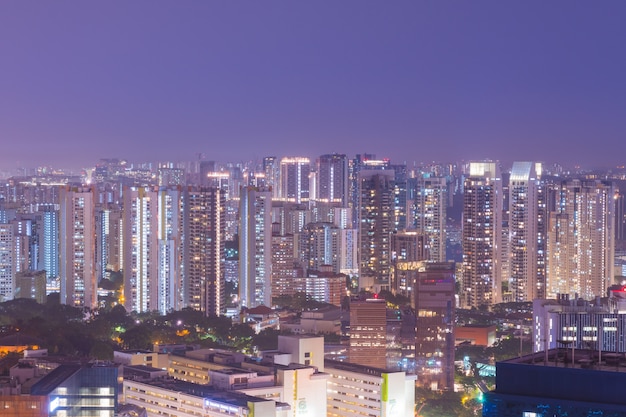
(505, 165)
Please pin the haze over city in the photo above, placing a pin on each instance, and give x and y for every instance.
(413, 81)
(309, 209)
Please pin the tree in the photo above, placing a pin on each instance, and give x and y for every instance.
(138, 337)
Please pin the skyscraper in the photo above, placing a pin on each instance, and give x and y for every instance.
(523, 232)
(255, 240)
(581, 239)
(170, 240)
(7, 262)
(482, 231)
(49, 240)
(435, 310)
(294, 179)
(140, 249)
(78, 247)
(376, 194)
(204, 249)
(332, 179)
(429, 211)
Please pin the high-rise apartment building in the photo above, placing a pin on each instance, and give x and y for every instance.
(481, 235)
(7, 262)
(255, 240)
(429, 213)
(49, 240)
(140, 249)
(581, 239)
(78, 246)
(271, 171)
(283, 259)
(170, 240)
(319, 245)
(407, 248)
(203, 285)
(376, 196)
(294, 179)
(108, 238)
(332, 179)
(527, 282)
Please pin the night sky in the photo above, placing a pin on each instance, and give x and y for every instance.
(410, 80)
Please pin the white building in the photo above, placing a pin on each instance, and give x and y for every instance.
(79, 286)
(255, 243)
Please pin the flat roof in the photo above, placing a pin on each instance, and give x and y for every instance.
(205, 391)
(583, 359)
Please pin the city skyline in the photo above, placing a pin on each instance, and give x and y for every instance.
(412, 81)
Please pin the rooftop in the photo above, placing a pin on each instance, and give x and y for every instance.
(582, 359)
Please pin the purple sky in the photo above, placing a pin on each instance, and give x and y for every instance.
(411, 80)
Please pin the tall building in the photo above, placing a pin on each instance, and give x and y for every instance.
(170, 240)
(429, 214)
(376, 192)
(7, 262)
(294, 179)
(283, 258)
(49, 240)
(581, 239)
(368, 332)
(435, 310)
(332, 179)
(255, 239)
(78, 247)
(526, 237)
(407, 248)
(204, 249)
(108, 238)
(140, 245)
(482, 231)
(271, 170)
(359, 163)
(319, 245)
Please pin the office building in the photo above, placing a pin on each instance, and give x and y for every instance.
(78, 247)
(435, 310)
(556, 383)
(599, 325)
(255, 240)
(481, 236)
(368, 332)
(77, 390)
(581, 239)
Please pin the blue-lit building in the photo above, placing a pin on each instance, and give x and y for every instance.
(562, 382)
(49, 241)
(80, 390)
